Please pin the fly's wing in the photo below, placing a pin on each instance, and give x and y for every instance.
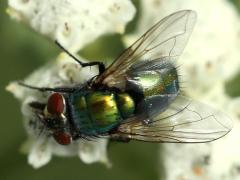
(167, 38)
(185, 121)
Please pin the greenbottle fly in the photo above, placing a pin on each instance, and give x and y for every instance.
(136, 98)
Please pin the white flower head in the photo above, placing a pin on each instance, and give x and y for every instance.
(212, 48)
(211, 54)
(74, 23)
(209, 60)
(40, 146)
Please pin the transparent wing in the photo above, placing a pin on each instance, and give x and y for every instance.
(185, 121)
(167, 38)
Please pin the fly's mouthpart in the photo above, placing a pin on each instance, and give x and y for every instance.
(63, 118)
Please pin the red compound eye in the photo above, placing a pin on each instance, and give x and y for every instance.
(62, 138)
(56, 104)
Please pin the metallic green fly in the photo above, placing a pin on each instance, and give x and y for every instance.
(137, 97)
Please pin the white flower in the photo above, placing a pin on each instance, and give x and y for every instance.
(93, 151)
(209, 62)
(40, 153)
(39, 146)
(74, 23)
(210, 59)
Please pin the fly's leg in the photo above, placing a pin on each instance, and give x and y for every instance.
(101, 66)
(119, 138)
(37, 106)
(57, 89)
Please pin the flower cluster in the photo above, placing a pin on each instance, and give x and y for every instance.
(73, 24)
(210, 60)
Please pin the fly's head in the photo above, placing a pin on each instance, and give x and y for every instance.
(52, 116)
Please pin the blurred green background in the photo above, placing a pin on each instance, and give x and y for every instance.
(21, 52)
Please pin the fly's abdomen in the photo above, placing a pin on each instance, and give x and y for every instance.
(102, 108)
(98, 112)
(126, 105)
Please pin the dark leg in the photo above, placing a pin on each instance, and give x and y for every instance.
(119, 138)
(101, 66)
(37, 105)
(58, 89)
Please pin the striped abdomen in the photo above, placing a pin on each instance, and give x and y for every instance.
(97, 112)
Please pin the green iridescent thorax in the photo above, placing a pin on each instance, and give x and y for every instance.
(98, 112)
(154, 83)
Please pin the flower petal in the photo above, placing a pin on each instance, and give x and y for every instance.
(40, 153)
(65, 72)
(74, 23)
(94, 151)
(185, 161)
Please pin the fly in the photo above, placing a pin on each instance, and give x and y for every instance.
(136, 98)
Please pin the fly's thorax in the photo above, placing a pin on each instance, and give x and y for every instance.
(96, 112)
(161, 80)
(154, 86)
